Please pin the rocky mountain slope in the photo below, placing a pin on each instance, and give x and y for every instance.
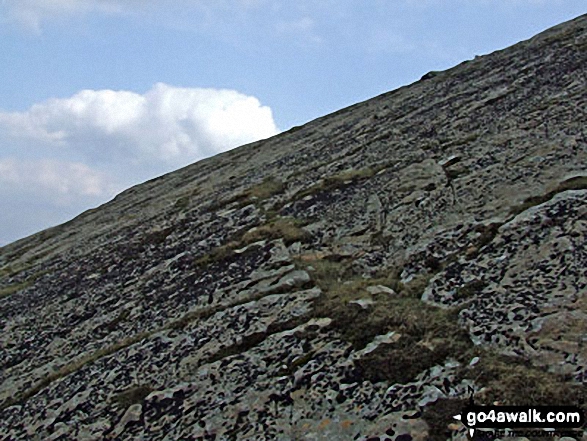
(350, 279)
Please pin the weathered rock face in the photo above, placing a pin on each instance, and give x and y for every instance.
(348, 279)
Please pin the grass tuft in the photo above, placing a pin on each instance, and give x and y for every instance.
(576, 183)
(132, 395)
(288, 229)
(11, 289)
(339, 180)
(269, 187)
(513, 381)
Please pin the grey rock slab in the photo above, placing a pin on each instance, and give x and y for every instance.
(454, 182)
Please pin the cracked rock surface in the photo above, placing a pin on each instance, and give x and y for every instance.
(350, 279)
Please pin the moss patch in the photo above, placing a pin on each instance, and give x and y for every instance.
(11, 289)
(257, 193)
(286, 228)
(339, 180)
(267, 188)
(428, 334)
(469, 290)
(576, 183)
(439, 415)
(15, 287)
(216, 254)
(513, 381)
(71, 367)
(182, 203)
(133, 395)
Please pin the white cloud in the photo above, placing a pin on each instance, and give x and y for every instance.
(303, 28)
(32, 13)
(79, 151)
(60, 182)
(37, 194)
(167, 126)
(389, 41)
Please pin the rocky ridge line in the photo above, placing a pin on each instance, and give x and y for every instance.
(348, 279)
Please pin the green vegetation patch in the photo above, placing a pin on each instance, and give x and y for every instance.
(72, 367)
(286, 228)
(269, 187)
(427, 337)
(182, 203)
(157, 237)
(132, 395)
(257, 193)
(513, 381)
(216, 254)
(576, 183)
(11, 289)
(427, 334)
(15, 287)
(340, 180)
(439, 414)
(469, 290)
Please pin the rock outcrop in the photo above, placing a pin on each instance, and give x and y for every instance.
(352, 278)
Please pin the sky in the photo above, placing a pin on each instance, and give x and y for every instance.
(99, 95)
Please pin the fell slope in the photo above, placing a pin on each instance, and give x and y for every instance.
(348, 279)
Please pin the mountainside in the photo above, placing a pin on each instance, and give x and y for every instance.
(349, 279)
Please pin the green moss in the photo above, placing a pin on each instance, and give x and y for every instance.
(287, 229)
(339, 180)
(257, 193)
(216, 254)
(156, 237)
(73, 366)
(439, 415)
(349, 175)
(11, 289)
(403, 312)
(15, 287)
(415, 287)
(182, 203)
(513, 381)
(11, 271)
(269, 187)
(576, 183)
(427, 334)
(469, 290)
(132, 395)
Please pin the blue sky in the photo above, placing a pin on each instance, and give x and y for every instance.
(98, 95)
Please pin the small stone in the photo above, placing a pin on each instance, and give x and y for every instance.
(363, 303)
(380, 289)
